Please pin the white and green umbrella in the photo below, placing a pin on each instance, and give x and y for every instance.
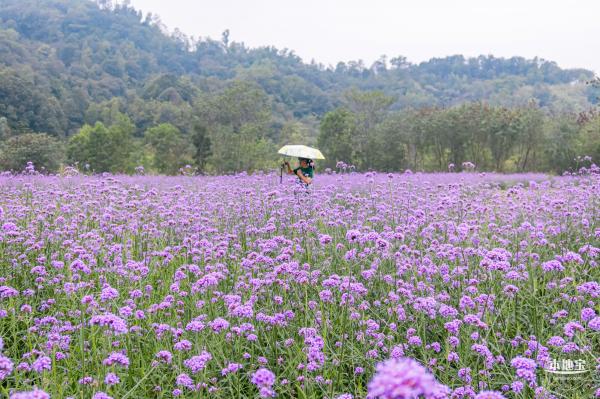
(300, 151)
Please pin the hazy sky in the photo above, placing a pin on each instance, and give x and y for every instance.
(329, 31)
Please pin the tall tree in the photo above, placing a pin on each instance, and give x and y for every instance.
(336, 136)
(237, 120)
(170, 150)
(504, 132)
(531, 120)
(202, 146)
(562, 144)
(101, 149)
(369, 109)
(590, 137)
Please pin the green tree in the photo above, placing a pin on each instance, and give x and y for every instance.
(590, 137)
(532, 122)
(121, 133)
(369, 109)
(101, 149)
(46, 152)
(240, 103)
(336, 136)
(231, 152)
(237, 120)
(504, 133)
(391, 141)
(170, 149)
(431, 127)
(562, 145)
(469, 135)
(417, 145)
(202, 146)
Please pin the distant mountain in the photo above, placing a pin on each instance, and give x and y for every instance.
(63, 61)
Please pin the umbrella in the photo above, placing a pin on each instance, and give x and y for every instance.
(300, 151)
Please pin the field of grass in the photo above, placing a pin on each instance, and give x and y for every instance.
(455, 285)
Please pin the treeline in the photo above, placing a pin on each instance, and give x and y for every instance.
(232, 131)
(493, 138)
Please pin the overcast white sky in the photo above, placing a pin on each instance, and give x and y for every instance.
(329, 31)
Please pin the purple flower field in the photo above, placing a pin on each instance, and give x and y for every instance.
(373, 286)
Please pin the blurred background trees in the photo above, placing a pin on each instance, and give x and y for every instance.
(107, 87)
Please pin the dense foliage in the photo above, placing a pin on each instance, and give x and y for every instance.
(40, 149)
(232, 287)
(492, 138)
(69, 63)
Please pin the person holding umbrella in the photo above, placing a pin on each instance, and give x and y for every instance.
(305, 172)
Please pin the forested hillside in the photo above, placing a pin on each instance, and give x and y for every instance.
(220, 105)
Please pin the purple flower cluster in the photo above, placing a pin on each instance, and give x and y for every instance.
(35, 394)
(114, 323)
(197, 363)
(116, 358)
(403, 378)
(264, 379)
(490, 395)
(6, 367)
(525, 368)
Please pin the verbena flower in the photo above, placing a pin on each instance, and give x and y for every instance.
(114, 323)
(111, 379)
(41, 364)
(35, 394)
(6, 367)
(197, 363)
(402, 378)
(264, 379)
(116, 358)
(490, 395)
